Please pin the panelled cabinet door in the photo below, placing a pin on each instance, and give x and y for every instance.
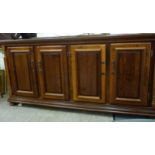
(129, 73)
(53, 75)
(21, 65)
(88, 72)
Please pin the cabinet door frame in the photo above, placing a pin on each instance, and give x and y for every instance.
(88, 48)
(144, 73)
(10, 64)
(62, 50)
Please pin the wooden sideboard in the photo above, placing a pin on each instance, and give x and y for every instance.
(113, 73)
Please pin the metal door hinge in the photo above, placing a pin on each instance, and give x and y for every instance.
(68, 54)
(151, 53)
(103, 62)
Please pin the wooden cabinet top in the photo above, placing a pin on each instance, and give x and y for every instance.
(84, 39)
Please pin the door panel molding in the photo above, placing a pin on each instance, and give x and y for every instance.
(133, 93)
(20, 61)
(88, 54)
(57, 89)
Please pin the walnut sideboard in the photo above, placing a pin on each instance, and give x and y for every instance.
(113, 73)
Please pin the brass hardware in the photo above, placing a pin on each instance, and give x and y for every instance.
(103, 62)
(102, 74)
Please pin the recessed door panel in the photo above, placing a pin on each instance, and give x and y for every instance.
(88, 66)
(52, 72)
(21, 66)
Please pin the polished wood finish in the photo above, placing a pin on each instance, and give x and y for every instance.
(114, 73)
(107, 108)
(52, 71)
(129, 73)
(83, 39)
(88, 72)
(21, 64)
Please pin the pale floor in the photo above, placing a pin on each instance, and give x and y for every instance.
(27, 113)
(41, 114)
